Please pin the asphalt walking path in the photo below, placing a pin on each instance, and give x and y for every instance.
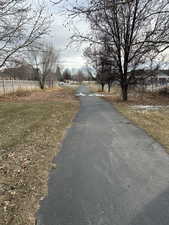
(109, 172)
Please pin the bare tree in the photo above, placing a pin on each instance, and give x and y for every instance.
(100, 58)
(67, 75)
(20, 26)
(80, 76)
(45, 61)
(136, 29)
(59, 74)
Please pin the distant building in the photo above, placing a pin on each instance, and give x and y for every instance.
(149, 76)
(163, 76)
(22, 72)
(160, 77)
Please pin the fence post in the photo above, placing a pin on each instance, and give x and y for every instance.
(3, 84)
(13, 86)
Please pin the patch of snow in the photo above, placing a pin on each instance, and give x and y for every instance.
(155, 88)
(92, 95)
(80, 94)
(96, 95)
(149, 107)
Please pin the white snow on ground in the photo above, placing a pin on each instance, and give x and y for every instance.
(156, 88)
(98, 95)
(92, 95)
(149, 107)
(80, 94)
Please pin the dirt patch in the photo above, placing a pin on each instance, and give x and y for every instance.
(31, 130)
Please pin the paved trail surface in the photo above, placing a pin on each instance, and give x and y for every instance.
(109, 172)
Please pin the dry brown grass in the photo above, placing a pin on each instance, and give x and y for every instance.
(154, 122)
(31, 129)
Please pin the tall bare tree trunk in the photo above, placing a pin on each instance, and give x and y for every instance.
(42, 83)
(109, 86)
(102, 87)
(124, 89)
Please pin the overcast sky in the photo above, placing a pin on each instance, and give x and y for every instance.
(70, 56)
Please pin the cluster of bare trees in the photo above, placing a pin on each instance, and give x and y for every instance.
(124, 33)
(78, 76)
(22, 25)
(44, 58)
(98, 58)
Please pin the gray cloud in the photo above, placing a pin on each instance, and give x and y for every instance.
(61, 31)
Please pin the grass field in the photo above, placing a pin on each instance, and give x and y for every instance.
(31, 127)
(155, 121)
